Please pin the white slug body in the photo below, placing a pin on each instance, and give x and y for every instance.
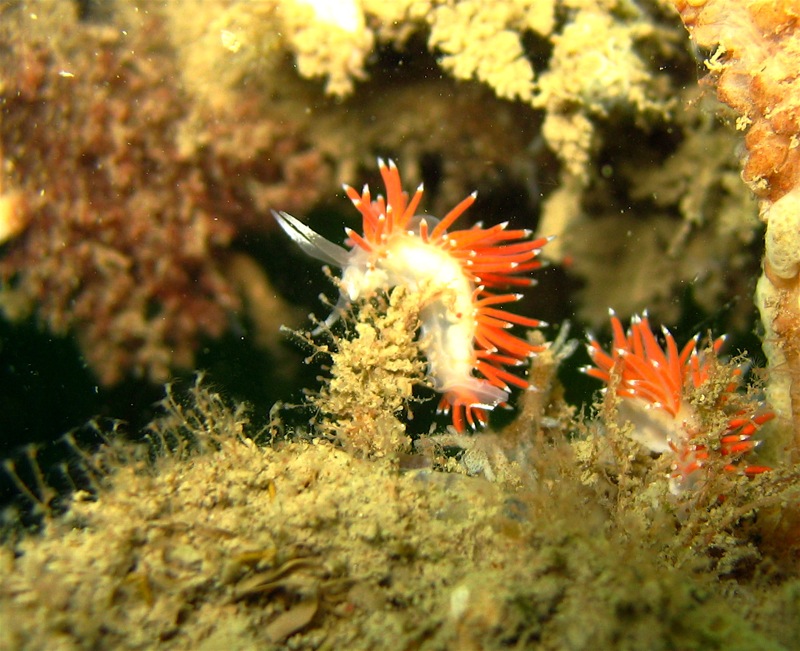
(462, 332)
(447, 323)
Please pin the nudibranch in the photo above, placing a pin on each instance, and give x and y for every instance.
(654, 383)
(463, 329)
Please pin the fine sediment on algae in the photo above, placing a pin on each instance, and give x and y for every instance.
(217, 542)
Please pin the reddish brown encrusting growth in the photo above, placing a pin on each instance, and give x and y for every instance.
(756, 47)
(132, 197)
(754, 66)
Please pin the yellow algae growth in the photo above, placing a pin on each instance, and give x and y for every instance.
(219, 541)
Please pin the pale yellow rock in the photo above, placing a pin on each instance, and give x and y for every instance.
(782, 240)
(779, 387)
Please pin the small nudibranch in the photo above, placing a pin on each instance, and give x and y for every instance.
(653, 383)
(462, 328)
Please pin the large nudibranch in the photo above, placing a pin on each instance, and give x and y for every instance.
(653, 384)
(462, 329)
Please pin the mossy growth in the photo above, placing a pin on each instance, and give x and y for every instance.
(367, 399)
(203, 538)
